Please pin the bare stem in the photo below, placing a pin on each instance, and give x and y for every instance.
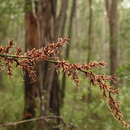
(13, 56)
(46, 118)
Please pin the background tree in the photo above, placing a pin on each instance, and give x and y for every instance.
(31, 90)
(90, 40)
(67, 51)
(62, 18)
(112, 13)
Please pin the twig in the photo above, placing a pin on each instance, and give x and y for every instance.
(13, 56)
(46, 118)
(26, 57)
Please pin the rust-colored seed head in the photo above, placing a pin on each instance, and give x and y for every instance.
(31, 58)
(99, 80)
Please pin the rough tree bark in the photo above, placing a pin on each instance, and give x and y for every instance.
(31, 40)
(112, 14)
(48, 77)
(39, 22)
(30, 89)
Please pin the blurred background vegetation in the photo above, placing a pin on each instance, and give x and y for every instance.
(77, 109)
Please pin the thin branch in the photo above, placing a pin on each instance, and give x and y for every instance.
(46, 118)
(27, 57)
(13, 56)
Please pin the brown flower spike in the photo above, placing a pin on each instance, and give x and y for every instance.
(28, 61)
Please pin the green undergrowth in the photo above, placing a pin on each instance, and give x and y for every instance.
(87, 113)
(93, 113)
(11, 98)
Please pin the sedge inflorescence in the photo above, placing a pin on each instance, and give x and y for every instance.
(29, 60)
(97, 80)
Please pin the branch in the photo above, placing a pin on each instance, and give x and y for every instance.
(13, 56)
(45, 118)
(25, 57)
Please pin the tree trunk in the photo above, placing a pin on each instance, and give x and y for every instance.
(90, 33)
(112, 13)
(48, 77)
(90, 42)
(70, 30)
(31, 40)
(31, 89)
(40, 21)
(61, 19)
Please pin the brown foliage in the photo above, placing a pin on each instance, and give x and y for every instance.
(31, 58)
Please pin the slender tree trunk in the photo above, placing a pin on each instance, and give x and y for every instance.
(112, 13)
(90, 41)
(70, 30)
(90, 33)
(61, 19)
